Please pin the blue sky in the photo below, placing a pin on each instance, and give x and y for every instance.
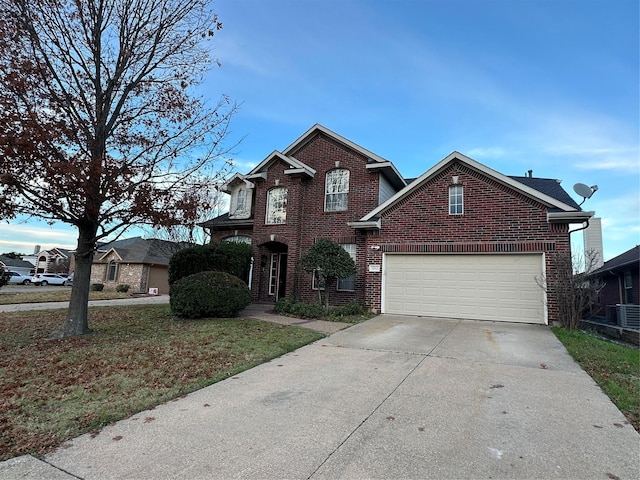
(551, 86)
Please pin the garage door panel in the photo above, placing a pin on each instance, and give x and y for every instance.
(492, 287)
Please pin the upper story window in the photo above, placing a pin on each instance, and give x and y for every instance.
(241, 198)
(455, 200)
(240, 204)
(276, 206)
(336, 190)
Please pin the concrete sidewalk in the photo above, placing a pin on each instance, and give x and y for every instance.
(393, 397)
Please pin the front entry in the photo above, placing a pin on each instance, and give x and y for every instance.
(278, 275)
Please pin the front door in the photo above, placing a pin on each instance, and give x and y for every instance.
(278, 275)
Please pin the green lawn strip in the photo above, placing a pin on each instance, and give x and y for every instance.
(62, 295)
(138, 357)
(615, 368)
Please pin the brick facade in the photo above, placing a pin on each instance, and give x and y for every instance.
(497, 218)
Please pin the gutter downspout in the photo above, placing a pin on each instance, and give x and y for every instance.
(581, 228)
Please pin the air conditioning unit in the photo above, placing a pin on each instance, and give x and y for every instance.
(629, 316)
(153, 291)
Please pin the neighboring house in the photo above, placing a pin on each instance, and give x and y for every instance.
(141, 264)
(620, 277)
(16, 265)
(55, 260)
(462, 240)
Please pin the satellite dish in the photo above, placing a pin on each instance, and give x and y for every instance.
(584, 191)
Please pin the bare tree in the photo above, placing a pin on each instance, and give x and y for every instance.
(574, 292)
(193, 233)
(101, 126)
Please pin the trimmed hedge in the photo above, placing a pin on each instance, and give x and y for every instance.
(299, 308)
(230, 257)
(208, 294)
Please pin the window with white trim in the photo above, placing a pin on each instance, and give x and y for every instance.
(112, 271)
(318, 280)
(455, 200)
(273, 274)
(348, 283)
(336, 190)
(276, 206)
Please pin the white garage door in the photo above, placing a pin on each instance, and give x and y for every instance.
(484, 287)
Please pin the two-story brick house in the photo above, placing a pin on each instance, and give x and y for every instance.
(461, 240)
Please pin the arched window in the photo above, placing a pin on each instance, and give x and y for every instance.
(276, 206)
(112, 271)
(336, 190)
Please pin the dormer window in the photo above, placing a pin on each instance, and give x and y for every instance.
(276, 206)
(455, 200)
(240, 202)
(336, 190)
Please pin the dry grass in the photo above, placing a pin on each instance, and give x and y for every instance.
(138, 357)
(62, 295)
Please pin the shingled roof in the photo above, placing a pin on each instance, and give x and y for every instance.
(14, 262)
(151, 251)
(548, 186)
(621, 262)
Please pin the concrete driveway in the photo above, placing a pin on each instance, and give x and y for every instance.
(394, 397)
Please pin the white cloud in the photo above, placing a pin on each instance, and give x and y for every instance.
(619, 164)
(22, 238)
(487, 152)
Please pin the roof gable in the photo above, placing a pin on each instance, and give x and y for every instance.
(374, 161)
(276, 156)
(150, 251)
(522, 187)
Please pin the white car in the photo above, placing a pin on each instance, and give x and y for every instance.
(16, 278)
(50, 279)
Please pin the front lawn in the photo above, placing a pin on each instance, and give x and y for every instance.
(138, 357)
(615, 368)
(35, 295)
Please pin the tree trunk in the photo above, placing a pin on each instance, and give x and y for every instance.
(77, 321)
(328, 284)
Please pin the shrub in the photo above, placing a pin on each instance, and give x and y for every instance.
(208, 294)
(97, 287)
(351, 308)
(299, 308)
(122, 288)
(230, 257)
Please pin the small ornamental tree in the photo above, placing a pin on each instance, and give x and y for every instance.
(575, 291)
(329, 261)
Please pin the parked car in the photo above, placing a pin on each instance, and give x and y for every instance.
(50, 279)
(16, 278)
